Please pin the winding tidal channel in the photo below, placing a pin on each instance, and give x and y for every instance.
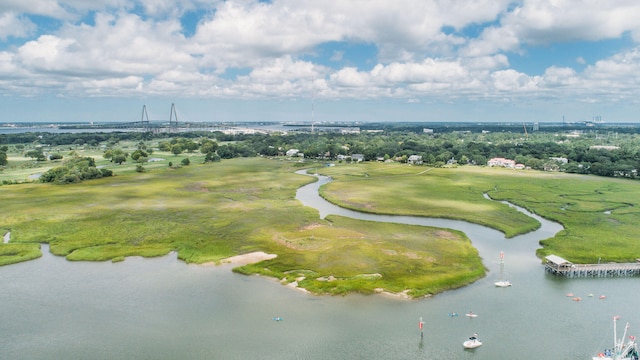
(162, 308)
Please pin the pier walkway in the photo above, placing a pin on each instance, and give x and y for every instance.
(561, 267)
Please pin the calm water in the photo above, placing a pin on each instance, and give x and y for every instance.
(164, 309)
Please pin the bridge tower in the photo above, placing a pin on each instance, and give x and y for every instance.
(172, 114)
(144, 119)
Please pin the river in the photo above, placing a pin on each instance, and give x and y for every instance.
(162, 308)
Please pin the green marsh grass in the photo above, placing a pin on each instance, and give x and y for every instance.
(600, 215)
(408, 190)
(210, 212)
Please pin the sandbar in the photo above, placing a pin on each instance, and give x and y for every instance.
(249, 258)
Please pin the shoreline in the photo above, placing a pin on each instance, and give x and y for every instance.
(244, 259)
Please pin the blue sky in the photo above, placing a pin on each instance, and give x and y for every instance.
(356, 60)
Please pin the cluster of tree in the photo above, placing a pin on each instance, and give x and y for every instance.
(448, 143)
(73, 139)
(584, 152)
(74, 170)
(3, 155)
(117, 156)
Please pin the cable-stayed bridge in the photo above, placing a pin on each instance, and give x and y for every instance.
(160, 126)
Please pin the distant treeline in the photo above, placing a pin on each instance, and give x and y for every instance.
(604, 151)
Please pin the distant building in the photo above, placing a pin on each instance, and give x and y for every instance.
(292, 152)
(415, 160)
(604, 147)
(357, 157)
(427, 131)
(508, 163)
(562, 160)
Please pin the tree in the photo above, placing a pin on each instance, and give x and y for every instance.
(117, 156)
(36, 154)
(226, 152)
(211, 157)
(74, 170)
(3, 155)
(139, 156)
(119, 159)
(176, 149)
(185, 161)
(208, 146)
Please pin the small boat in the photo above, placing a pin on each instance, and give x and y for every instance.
(576, 298)
(277, 318)
(471, 314)
(472, 343)
(502, 282)
(570, 295)
(602, 297)
(453, 314)
(623, 348)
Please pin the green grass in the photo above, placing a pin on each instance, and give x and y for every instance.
(15, 253)
(346, 255)
(600, 215)
(210, 212)
(406, 190)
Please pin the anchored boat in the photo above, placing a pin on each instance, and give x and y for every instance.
(472, 343)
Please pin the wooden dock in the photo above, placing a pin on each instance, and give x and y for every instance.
(560, 267)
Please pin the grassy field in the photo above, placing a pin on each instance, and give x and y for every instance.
(23, 169)
(210, 212)
(600, 215)
(408, 190)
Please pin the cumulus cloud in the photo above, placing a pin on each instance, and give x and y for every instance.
(12, 25)
(423, 48)
(542, 22)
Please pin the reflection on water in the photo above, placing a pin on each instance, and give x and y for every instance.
(164, 309)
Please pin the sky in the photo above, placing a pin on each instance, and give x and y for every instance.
(320, 61)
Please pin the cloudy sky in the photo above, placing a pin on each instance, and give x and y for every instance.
(320, 60)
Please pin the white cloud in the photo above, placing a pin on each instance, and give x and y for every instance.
(541, 22)
(118, 52)
(351, 77)
(12, 25)
(514, 81)
(560, 77)
(37, 7)
(116, 47)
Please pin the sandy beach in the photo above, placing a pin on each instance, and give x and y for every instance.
(249, 258)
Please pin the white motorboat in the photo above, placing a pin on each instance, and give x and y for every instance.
(623, 348)
(472, 343)
(471, 314)
(502, 282)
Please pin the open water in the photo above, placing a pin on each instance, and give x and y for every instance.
(161, 308)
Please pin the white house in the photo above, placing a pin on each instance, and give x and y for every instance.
(414, 159)
(357, 157)
(508, 163)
